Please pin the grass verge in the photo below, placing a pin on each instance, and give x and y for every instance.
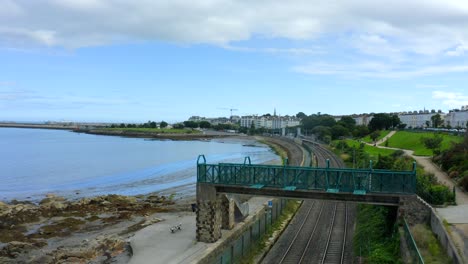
(153, 130)
(412, 141)
(383, 134)
(429, 246)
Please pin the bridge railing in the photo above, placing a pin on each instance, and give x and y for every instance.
(359, 181)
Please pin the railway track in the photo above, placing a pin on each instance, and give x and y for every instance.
(318, 222)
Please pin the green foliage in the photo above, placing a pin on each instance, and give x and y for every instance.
(464, 182)
(376, 238)
(338, 131)
(428, 188)
(178, 126)
(205, 124)
(322, 132)
(316, 120)
(368, 138)
(163, 124)
(347, 122)
(433, 143)
(360, 152)
(455, 161)
(436, 120)
(360, 131)
(153, 130)
(428, 245)
(191, 124)
(301, 115)
(375, 135)
(383, 121)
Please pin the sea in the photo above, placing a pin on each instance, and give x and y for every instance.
(36, 162)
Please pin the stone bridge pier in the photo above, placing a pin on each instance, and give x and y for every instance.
(214, 212)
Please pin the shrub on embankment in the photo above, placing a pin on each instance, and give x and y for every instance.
(455, 162)
(376, 239)
(427, 186)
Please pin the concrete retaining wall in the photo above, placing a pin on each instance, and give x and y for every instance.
(417, 209)
(438, 228)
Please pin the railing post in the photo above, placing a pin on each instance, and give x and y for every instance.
(327, 175)
(414, 178)
(199, 166)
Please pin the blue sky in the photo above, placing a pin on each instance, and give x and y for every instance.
(133, 61)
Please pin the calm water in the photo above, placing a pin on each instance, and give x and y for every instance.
(34, 162)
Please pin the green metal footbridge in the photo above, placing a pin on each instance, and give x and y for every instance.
(366, 185)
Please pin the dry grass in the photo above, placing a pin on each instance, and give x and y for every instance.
(429, 246)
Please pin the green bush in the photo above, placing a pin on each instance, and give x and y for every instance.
(464, 181)
(376, 238)
(440, 194)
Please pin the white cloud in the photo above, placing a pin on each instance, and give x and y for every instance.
(451, 99)
(378, 70)
(458, 50)
(292, 51)
(420, 26)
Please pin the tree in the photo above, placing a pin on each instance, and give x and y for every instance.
(436, 120)
(382, 121)
(312, 121)
(252, 129)
(360, 131)
(191, 124)
(347, 122)
(301, 115)
(152, 124)
(338, 131)
(375, 135)
(395, 121)
(205, 124)
(323, 133)
(163, 124)
(178, 126)
(122, 125)
(433, 143)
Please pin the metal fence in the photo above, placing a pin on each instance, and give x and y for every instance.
(243, 244)
(412, 247)
(359, 181)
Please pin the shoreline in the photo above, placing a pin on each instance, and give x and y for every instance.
(122, 133)
(94, 228)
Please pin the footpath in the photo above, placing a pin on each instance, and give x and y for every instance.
(455, 215)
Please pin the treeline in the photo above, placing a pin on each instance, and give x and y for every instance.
(149, 124)
(326, 128)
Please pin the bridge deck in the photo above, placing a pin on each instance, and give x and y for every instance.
(248, 178)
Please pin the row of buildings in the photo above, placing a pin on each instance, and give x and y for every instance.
(265, 121)
(456, 118)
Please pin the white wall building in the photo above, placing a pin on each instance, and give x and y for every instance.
(269, 122)
(418, 119)
(362, 120)
(457, 118)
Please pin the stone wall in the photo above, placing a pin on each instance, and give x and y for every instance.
(415, 210)
(227, 212)
(209, 220)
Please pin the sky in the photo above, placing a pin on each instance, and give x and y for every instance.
(134, 61)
